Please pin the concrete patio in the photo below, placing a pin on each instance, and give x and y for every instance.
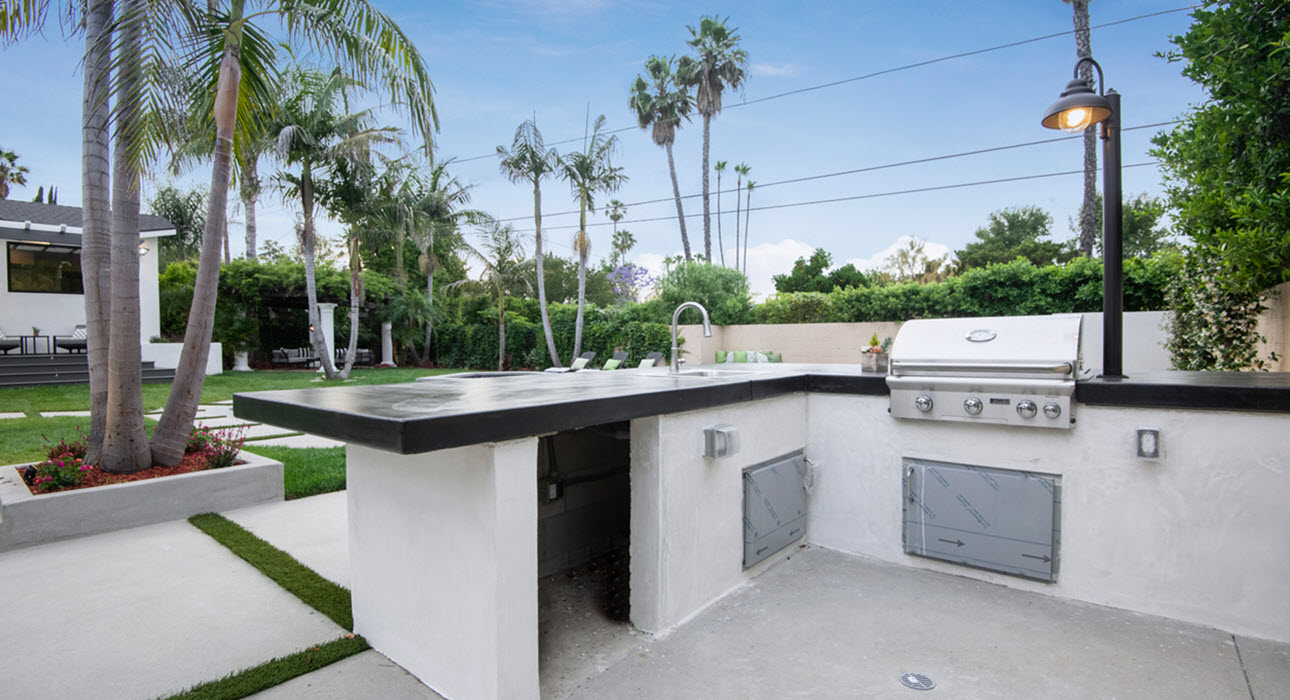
(146, 612)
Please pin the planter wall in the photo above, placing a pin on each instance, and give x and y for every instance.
(27, 519)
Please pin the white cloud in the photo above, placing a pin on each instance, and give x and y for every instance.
(773, 70)
(878, 260)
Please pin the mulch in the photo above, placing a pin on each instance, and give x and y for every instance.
(96, 477)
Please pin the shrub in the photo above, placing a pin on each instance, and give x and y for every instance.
(76, 448)
(219, 447)
(59, 472)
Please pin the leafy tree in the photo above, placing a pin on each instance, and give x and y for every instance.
(718, 63)
(912, 264)
(808, 275)
(1143, 233)
(186, 211)
(40, 197)
(531, 161)
(1227, 174)
(562, 283)
(723, 291)
(589, 171)
(1089, 231)
(1227, 165)
(661, 104)
(10, 172)
(1013, 233)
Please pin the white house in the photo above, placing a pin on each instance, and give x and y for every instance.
(42, 270)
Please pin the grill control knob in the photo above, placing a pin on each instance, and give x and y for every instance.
(1027, 409)
(923, 403)
(1052, 410)
(972, 405)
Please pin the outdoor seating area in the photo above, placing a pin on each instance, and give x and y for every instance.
(296, 357)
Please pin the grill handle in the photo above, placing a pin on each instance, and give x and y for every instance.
(903, 366)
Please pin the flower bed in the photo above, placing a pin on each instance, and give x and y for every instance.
(27, 518)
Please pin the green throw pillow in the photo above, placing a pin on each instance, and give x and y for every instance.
(775, 357)
(721, 356)
(741, 356)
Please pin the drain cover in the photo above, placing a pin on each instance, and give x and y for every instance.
(917, 681)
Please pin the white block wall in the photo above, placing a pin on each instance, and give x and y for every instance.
(1198, 535)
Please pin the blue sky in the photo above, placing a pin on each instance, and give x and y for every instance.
(497, 62)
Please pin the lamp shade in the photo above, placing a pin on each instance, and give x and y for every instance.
(1077, 109)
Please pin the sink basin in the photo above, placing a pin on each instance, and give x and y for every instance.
(706, 373)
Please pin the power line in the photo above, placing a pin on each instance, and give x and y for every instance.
(886, 71)
(851, 198)
(853, 171)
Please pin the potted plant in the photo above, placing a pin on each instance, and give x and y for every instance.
(874, 357)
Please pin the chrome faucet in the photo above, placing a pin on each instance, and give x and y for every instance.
(707, 330)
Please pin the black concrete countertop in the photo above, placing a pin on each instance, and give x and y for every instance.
(473, 407)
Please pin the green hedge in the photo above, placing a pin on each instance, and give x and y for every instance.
(475, 344)
(1018, 288)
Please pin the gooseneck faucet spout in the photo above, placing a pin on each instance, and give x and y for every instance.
(676, 315)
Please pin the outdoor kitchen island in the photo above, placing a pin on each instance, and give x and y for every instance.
(443, 500)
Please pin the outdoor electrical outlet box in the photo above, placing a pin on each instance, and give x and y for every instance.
(1149, 443)
(720, 441)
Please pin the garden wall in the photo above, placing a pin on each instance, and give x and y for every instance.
(1272, 326)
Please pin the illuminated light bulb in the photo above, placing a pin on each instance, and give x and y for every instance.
(1075, 120)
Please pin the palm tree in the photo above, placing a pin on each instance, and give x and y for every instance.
(589, 171)
(718, 64)
(10, 172)
(741, 171)
(1088, 211)
(615, 210)
(720, 167)
(662, 103)
(362, 39)
(314, 132)
(747, 216)
(529, 160)
(623, 242)
(501, 252)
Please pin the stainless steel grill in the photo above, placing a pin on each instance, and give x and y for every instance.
(1015, 370)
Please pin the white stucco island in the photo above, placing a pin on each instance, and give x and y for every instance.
(456, 503)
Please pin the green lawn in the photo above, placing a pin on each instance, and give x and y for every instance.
(221, 387)
(307, 471)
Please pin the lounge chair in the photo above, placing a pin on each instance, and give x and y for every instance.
(616, 361)
(651, 360)
(362, 356)
(581, 363)
(76, 342)
(8, 344)
(295, 357)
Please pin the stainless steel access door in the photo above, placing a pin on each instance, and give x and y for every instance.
(774, 506)
(998, 519)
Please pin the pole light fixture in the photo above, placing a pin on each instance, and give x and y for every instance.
(1077, 109)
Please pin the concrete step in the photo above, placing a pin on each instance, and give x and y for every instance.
(76, 375)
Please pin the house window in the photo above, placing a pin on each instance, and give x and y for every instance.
(48, 269)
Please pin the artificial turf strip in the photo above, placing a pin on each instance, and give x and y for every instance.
(271, 673)
(301, 581)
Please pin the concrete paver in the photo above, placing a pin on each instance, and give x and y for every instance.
(1267, 665)
(58, 414)
(12, 415)
(314, 530)
(365, 675)
(226, 422)
(141, 613)
(258, 431)
(823, 624)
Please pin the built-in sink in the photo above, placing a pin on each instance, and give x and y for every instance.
(706, 373)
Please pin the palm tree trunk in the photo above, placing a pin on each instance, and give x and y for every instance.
(228, 256)
(721, 246)
(95, 223)
(676, 192)
(501, 333)
(125, 443)
(739, 183)
(250, 194)
(355, 298)
(425, 357)
(1088, 212)
(541, 280)
(316, 338)
(170, 437)
(747, 218)
(583, 249)
(707, 220)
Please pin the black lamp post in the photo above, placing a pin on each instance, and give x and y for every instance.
(1077, 109)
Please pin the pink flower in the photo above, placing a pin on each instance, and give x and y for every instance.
(86, 467)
